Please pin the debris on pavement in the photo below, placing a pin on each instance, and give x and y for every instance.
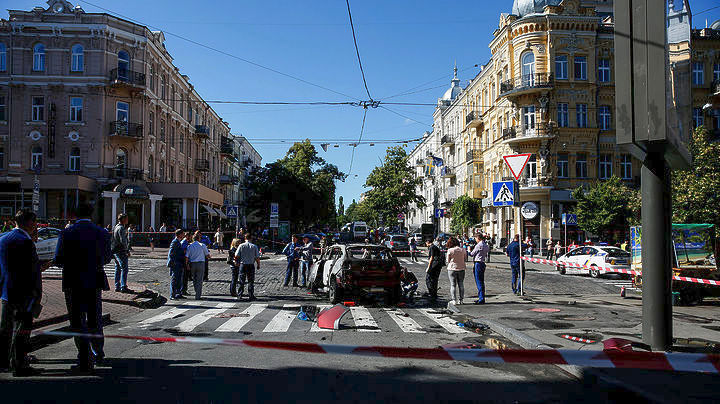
(330, 317)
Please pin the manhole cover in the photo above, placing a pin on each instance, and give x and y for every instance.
(545, 310)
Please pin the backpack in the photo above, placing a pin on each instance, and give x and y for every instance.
(231, 257)
(442, 260)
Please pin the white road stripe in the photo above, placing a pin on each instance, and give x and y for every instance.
(281, 322)
(167, 315)
(235, 324)
(363, 320)
(446, 322)
(194, 321)
(314, 327)
(406, 324)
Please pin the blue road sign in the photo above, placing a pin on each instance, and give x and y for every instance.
(232, 211)
(569, 219)
(503, 193)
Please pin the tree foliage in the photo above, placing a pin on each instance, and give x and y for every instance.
(464, 213)
(360, 212)
(606, 206)
(393, 185)
(696, 191)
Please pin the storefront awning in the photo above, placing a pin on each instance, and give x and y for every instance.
(221, 214)
(210, 210)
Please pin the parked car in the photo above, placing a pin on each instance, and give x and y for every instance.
(346, 271)
(418, 238)
(397, 243)
(47, 242)
(593, 257)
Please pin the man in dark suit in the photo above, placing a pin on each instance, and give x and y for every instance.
(83, 249)
(21, 290)
(176, 263)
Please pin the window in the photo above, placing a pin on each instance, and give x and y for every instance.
(528, 69)
(172, 136)
(163, 80)
(605, 168)
(604, 117)
(123, 64)
(528, 118)
(39, 58)
(604, 70)
(716, 70)
(698, 74)
(162, 130)
(74, 164)
(161, 171)
(172, 174)
(181, 146)
(173, 103)
(580, 68)
(77, 59)
(76, 109)
(562, 115)
(698, 117)
(3, 57)
(562, 165)
(190, 111)
(581, 166)
(151, 76)
(36, 157)
(716, 119)
(122, 112)
(626, 166)
(531, 171)
(151, 123)
(181, 110)
(561, 67)
(151, 168)
(38, 109)
(581, 115)
(2, 108)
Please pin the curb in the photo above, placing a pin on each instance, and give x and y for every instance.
(515, 336)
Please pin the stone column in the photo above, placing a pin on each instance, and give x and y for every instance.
(184, 214)
(114, 196)
(153, 199)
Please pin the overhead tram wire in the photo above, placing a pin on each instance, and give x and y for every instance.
(408, 91)
(362, 129)
(357, 52)
(221, 51)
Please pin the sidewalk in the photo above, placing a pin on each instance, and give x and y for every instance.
(162, 253)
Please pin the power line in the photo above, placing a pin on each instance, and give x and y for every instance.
(404, 116)
(406, 92)
(362, 129)
(357, 51)
(223, 52)
(705, 11)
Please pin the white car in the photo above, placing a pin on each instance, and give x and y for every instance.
(418, 238)
(47, 243)
(594, 257)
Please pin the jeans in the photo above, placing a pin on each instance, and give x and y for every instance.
(292, 270)
(15, 326)
(479, 272)
(516, 277)
(431, 281)
(549, 254)
(197, 270)
(234, 283)
(247, 274)
(121, 270)
(305, 270)
(85, 310)
(413, 254)
(177, 272)
(456, 285)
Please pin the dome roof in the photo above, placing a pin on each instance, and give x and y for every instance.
(715, 25)
(454, 89)
(521, 8)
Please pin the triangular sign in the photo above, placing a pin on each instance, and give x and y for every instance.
(324, 146)
(516, 163)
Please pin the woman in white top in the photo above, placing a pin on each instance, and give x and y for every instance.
(456, 270)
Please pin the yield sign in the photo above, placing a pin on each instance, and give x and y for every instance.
(516, 163)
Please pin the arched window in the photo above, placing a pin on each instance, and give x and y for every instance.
(528, 69)
(74, 164)
(36, 157)
(151, 168)
(39, 58)
(3, 57)
(123, 65)
(77, 60)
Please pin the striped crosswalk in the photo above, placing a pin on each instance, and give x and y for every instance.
(627, 284)
(229, 317)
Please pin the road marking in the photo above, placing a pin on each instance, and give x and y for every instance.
(364, 321)
(235, 324)
(314, 327)
(194, 321)
(446, 322)
(167, 315)
(281, 322)
(406, 324)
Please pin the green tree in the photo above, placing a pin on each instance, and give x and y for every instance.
(606, 206)
(361, 212)
(696, 196)
(464, 213)
(341, 206)
(392, 186)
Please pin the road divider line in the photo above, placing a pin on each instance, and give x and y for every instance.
(198, 319)
(403, 321)
(166, 315)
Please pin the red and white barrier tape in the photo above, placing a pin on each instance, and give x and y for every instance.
(578, 339)
(688, 362)
(617, 270)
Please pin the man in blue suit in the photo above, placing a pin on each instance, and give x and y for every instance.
(83, 249)
(21, 291)
(176, 263)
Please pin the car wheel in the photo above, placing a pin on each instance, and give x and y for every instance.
(561, 269)
(335, 291)
(691, 297)
(594, 272)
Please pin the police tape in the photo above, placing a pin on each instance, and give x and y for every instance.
(578, 339)
(602, 269)
(608, 358)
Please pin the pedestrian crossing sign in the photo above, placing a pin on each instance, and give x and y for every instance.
(503, 193)
(232, 211)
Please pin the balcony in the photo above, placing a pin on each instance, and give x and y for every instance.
(474, 156)
(227, 150)
(127, 77)
(202, 131)
(419, 162)
(202, 165)
(126, 129)
(520, 133)
(472, 120)
(228, 179)
(447, 141)
(447, 172)
(134, 174)
(526, 84)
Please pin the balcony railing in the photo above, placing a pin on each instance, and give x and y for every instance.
(471, 117)
(447, 140)
(447, 171)
(125, 76)
(519, 132)
(134, 174)
(202, 165)
(473, 155)
(529, 182)
(126, 129)
(526, 82)
(225, 179)
(202, 131)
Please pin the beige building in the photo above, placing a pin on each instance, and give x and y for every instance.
(94, 106)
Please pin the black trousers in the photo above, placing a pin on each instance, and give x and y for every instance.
(247, 275)
(15, 326)
(85, 310)
(431, 281)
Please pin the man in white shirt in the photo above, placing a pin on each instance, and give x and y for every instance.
(247, 255)
(219, 239)
(195, 256)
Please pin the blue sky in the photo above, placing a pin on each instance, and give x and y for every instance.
(404, 45)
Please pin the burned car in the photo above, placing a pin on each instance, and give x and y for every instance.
(346, 271)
